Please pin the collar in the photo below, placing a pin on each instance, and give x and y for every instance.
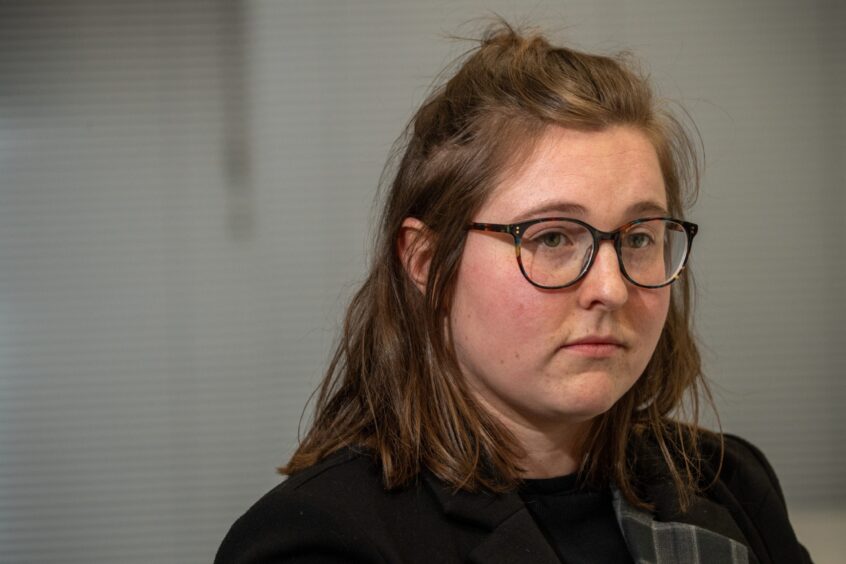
(513, 536)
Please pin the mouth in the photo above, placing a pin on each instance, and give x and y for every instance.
(595, 346)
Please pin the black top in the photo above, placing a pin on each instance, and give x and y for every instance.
(579, 522)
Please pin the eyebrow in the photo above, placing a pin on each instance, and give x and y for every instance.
(566, 208)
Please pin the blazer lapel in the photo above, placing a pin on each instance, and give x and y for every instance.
(513, 536)
(701, 513)
(515, 540)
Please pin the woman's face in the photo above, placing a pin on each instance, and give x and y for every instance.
(540, 358)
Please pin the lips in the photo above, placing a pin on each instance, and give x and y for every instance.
(596, 340)
(595, 346)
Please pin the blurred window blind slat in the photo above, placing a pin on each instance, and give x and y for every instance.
(124, 203)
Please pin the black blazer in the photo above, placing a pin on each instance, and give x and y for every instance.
(338, 511)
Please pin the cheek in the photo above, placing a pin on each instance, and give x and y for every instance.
(487, 278)
(500, 337)
(649, 313)
(493, 307)
(662, 306)
(482, 309)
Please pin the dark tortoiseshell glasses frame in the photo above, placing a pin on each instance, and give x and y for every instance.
(516, 230)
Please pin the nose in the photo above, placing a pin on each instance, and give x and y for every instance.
(604, 285)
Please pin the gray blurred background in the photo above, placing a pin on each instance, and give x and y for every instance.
(186, 193)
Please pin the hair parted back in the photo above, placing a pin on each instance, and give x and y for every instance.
(393, 386)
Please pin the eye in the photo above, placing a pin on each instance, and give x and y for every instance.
(556, 236)
(552, 239)
(638, 240)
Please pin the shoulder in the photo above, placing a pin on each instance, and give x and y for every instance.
(316, 515)
(740, 466)
(339, 511)
(331, 478)
(738, 476)
(720, 458)
(738, 495)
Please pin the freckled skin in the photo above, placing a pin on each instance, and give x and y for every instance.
(510, 337)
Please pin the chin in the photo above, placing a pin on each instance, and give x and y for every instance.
(584, 413)
(583, 405)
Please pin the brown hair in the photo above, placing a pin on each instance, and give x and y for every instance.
(393, 385)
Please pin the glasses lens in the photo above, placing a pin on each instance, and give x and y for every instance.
(554, 253)
(654, 251)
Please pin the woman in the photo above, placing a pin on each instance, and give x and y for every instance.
(485, 409)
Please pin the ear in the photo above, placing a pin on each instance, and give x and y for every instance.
(415, 252)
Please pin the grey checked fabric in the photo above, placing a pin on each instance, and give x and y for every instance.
(656, 542)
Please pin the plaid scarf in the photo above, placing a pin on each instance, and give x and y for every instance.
(655, 542)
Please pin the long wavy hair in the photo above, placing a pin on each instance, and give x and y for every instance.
(393, 386)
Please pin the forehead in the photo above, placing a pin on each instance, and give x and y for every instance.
(602, 175)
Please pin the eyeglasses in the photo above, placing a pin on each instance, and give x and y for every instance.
(557, 252)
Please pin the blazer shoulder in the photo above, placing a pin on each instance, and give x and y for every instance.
(313, 516)
(756, 497)
(743, 467)
(335, 471)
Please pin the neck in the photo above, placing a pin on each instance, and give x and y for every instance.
(552, 448)
(551, 452)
